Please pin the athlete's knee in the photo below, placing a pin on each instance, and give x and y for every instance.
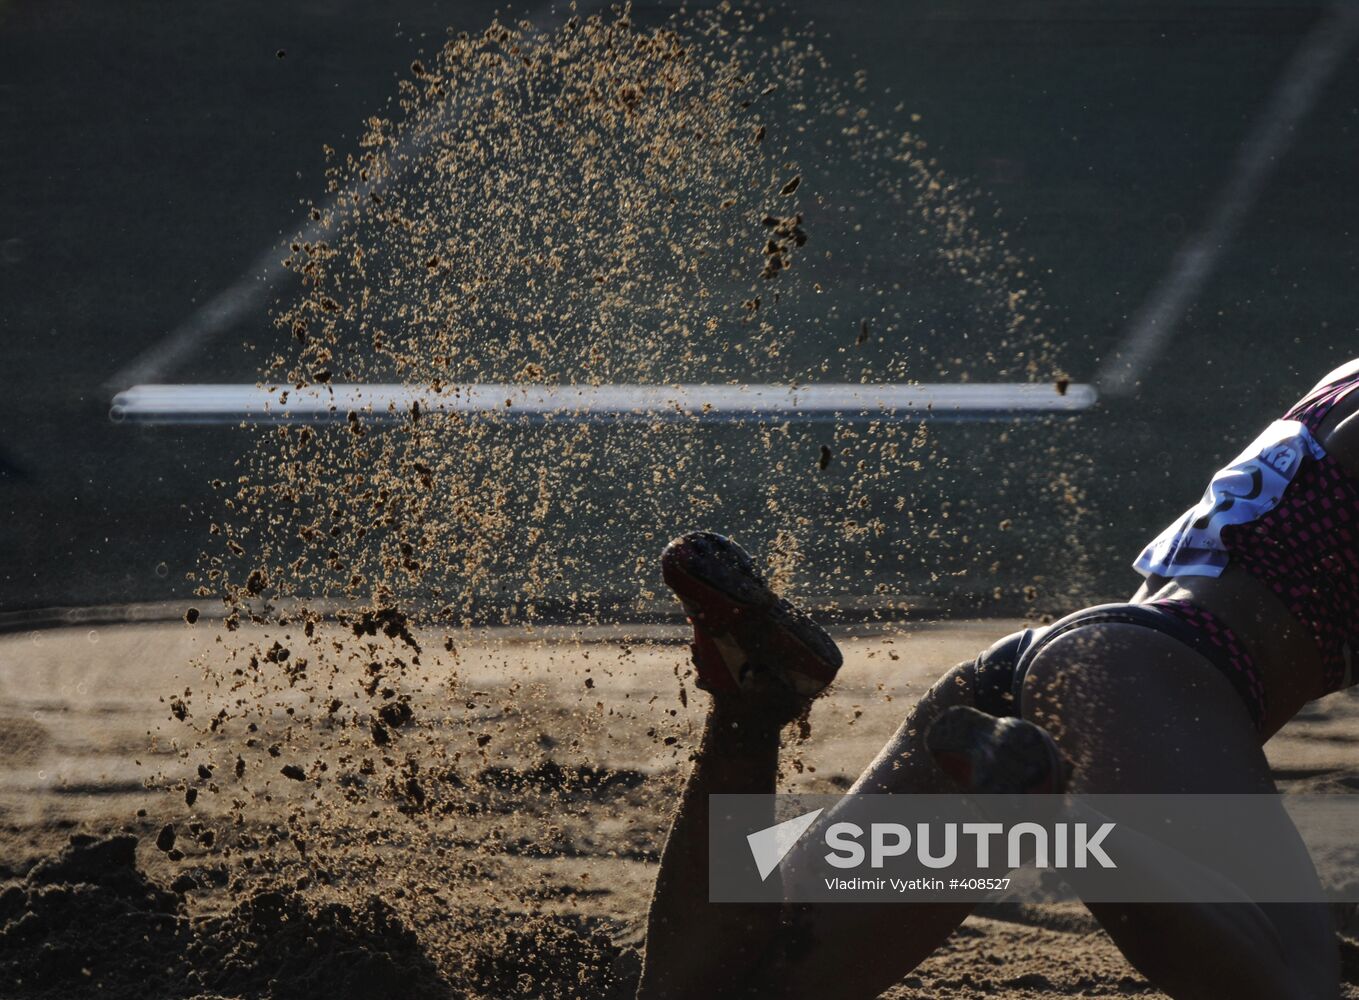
(956, 686)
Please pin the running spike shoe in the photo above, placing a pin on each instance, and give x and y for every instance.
(744, 633)
(987, 755)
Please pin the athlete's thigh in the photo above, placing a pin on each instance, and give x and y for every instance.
(849, 950)
(1138, 712)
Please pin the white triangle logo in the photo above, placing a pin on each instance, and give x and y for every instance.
(770, 845)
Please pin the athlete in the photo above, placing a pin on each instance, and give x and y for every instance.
(1249, 610)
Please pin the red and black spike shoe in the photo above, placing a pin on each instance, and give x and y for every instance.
(991, 756)
(744, 633)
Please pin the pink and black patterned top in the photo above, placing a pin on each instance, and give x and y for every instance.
(1307, 548)
(1288, 514)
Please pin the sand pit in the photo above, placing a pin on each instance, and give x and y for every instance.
(604, 202)
(332, 778)
(92, 906)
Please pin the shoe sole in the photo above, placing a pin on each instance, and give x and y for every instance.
(717, 582)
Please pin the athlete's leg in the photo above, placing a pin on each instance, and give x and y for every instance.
(1138, 712)
(762, 660)
(695, 948)
(861, 949)
(858, 950)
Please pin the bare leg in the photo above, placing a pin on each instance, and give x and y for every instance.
(1138, 712)
(849, 950)
(695, 948)
(1177, 727)
(700, 949)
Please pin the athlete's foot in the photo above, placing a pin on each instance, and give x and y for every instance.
(987, 755)
(748, 641)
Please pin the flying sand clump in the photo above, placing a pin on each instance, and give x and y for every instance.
(601, 202)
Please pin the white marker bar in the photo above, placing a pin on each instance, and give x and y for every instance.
(250, 404)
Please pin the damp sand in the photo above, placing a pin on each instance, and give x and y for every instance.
(111, 914)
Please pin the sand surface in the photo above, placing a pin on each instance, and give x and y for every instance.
(90, 751)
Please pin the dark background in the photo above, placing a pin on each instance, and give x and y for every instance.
(150, 151)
